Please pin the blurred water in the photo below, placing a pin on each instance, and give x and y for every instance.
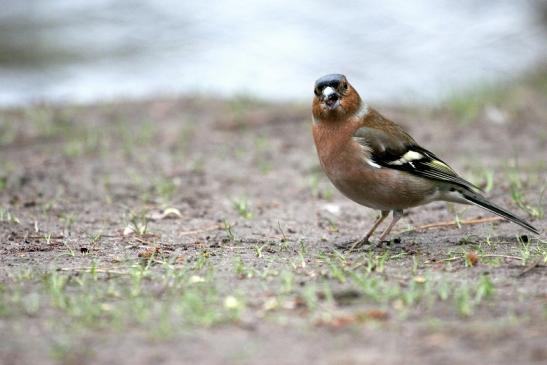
(56, 50)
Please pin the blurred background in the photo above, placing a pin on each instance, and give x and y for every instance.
(419, 51)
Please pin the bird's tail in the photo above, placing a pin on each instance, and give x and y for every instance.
(479, 200)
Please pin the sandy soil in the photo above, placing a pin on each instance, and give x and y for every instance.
(248, 273)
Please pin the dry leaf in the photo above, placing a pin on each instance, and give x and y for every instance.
(472, 258)
(149, 252)
(128, 230)
(165, 214)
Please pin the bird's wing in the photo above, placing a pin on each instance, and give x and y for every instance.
(398, 150)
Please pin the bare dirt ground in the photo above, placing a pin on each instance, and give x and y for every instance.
(202, 231)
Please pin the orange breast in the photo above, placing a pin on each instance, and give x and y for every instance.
(343, 161)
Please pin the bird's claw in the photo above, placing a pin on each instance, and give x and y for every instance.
(365, 245)
(353, 245)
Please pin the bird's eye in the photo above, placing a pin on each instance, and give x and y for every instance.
(344, 86)
(316, 91)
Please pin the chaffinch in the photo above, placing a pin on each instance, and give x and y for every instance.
(375, 163)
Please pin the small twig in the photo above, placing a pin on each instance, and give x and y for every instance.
(37, 237)
(455, 223)
(504, 257)
(450, 259)
(90, 269)
(531, 266)
(482, 256)
(143, 241)
(206, 229)
(59, 237)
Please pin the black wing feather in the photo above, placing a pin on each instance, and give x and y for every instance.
(406, 155)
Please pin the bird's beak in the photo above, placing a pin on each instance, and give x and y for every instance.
(331, 98)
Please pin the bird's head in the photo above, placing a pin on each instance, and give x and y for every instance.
(334, 98)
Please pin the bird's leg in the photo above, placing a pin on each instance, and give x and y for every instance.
(397, 214)
(363, 241)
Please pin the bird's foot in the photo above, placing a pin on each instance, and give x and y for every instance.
(366, 245)
(352, 245)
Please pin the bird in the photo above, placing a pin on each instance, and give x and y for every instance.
(376, 163)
